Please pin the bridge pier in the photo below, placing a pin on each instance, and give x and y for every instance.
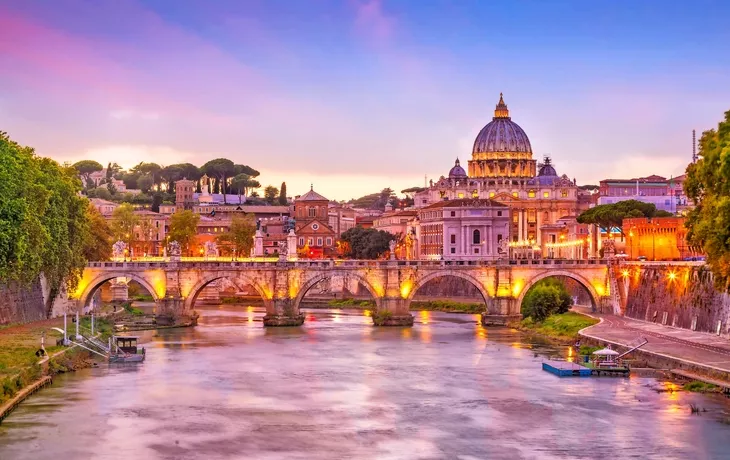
(282, 313)
(501, 313)
(393, 311)
(170, 310)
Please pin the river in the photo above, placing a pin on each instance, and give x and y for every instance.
(340, 388)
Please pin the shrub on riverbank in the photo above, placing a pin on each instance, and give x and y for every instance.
(447, 306)
(696, 386)
(545, 298)
(563, 326)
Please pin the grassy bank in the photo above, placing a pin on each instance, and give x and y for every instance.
(447, 306)
(563, 327)
(18, 346)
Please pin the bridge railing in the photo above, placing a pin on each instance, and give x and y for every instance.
(345, 263)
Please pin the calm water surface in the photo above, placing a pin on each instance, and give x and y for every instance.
(339, 388)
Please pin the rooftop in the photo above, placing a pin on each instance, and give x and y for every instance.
(466, 203)
(311, 195)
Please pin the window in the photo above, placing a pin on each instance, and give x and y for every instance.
(312, 212)
(564, 193)
(546, 194)
(515, 217)
(476, 237)
(319, 241)
(491, 194)
(514, 194)
(329, 241)
(310, 241)
(499, 213)
(476, 250)
(315, 226)
(461, 195)
(453, 213)
(531, 194)
(475, 193)
(453, 250)
(453, 239)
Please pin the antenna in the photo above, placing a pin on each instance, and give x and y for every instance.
(694, 147)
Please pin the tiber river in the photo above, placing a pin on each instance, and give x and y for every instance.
(338, 388)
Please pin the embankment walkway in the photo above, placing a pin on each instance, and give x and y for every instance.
(697, 350)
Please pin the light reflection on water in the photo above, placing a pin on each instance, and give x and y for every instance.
(340, 388)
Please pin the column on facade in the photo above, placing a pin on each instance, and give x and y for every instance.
(538, 223)
(490, 238)
(464, 231)
(519, 225)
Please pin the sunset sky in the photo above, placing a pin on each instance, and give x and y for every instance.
(357, 95)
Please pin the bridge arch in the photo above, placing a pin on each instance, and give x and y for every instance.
(311, 282)
(102, 278)
(238, 278)
(580, 279)
(420, 282)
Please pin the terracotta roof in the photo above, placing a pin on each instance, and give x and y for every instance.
(311, 195)
(466, 202)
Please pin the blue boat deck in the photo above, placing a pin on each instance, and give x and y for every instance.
(566, 369)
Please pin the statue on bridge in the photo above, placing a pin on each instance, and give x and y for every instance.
(211, 249)
(118, 250)
(173, 249)
(391, 245)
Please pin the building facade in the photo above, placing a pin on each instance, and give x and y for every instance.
(463, 229)
(659, 238)
(502, 169)
(666, 194)
(315, 238)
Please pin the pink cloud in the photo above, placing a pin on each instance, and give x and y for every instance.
(372, 22)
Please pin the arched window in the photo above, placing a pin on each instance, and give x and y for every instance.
(476, 237)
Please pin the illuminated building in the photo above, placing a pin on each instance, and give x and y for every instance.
(463, 229)
(666, 194)
(502, 169)
(315, 238)
(660, 238)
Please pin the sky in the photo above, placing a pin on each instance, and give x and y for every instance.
(356, 95)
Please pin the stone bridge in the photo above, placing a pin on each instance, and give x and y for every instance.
(392, 283)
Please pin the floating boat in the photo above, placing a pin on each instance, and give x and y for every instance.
(125, 350)
(566, 369)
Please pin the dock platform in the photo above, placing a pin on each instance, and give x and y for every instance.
(566, 369)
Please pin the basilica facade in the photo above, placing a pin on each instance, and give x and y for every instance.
(502, 169)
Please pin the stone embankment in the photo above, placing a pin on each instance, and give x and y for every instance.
(668, 347)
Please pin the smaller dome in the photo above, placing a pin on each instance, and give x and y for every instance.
(547, 174)
(457, 172)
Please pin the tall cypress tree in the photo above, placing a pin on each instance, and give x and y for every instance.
(282, 194)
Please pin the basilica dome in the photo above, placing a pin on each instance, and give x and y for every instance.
(457, 172)
(502, 134)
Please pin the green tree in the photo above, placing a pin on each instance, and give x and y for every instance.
(608, 216)
(271, 194)
(112, 171)
(222, 169)
(545, 298)
(183, 229)
(243, 184)
(100, 192)
(85, 168)
(366, 243)
(157, 200)
(98, 238)
(111, 188)
(282, 195)
(145, 182)
(708, 186)
(148, 169)
(123, 222)
(240, 235)
(244, 169)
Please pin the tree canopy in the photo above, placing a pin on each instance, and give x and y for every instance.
(183, 228)
(222, 169)
(85, 168)
(366, 243)
(44, 223)
(98, 245)
(240, 235)
(608, 216)
(282, 195)
(708, 185)
(123, 222)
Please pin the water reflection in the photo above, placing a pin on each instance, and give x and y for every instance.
(340, 388)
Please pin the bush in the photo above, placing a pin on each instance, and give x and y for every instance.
(547, 297)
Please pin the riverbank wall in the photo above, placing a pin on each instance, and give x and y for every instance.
(20, 304)
(681, 296)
